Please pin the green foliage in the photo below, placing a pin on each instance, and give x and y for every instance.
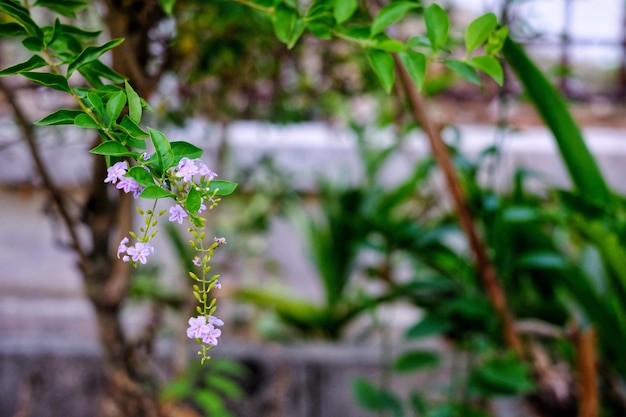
(581, 165)
(209, 389)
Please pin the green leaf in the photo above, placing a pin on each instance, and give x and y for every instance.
(490, 66)
(465, 70)
(132, 129)
(155, 192)
(80, 34)
(94, 102)
(22, 16)
(168, 6)
(479, 30)
(182, 149)
(134, 103)
(193, 201)
(115, 106)
(496, 40)
(284, 20)
(141, 175)
(103, 70)
(298, 29)
(437, 26)
(34, 62)
(429, 326)
(390, 14)
(501, 376)
(344, 9)
(12, 30)
(415, 359)
(33, 43)
(372, 398)
(67, 8)
(86, 122)
(543, 260)
(383, 65)
(91, 53)
(580, 163)
(59, 117)
(54, 81)
(224, 187)
(415, 64)
(162, 148)
(390, 45)
(111, 148)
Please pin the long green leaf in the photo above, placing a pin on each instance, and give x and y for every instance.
(90, 54)
(581, 165)
(33, 63)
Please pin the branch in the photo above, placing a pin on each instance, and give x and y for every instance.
(28, 134)
(483, 264)
(587, 374)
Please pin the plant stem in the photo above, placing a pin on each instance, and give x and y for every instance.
(587, 375)
(483, 264)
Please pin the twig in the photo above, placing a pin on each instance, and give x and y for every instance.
(587, 374)
(482, 262)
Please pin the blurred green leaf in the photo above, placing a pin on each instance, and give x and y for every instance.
(466, 71)
(376, 399)
(390, 14)
(430, 325)
(437, 26)
(489, 66)
(415, 64)
(414, 360)
(581, 165)
(383, 65)
(479, 30)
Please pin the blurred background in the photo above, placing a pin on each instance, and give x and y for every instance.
(344, 269)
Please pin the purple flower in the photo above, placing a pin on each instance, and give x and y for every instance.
(122, 247)
(214, 321)
(197, 327)
(177, 214)
(138, 191)
(202, 208)
(211, 335)
(205, 171)
(140, 252)
(200, 329)
(186, 169)
(197, 261)
(218, 284)
(219, 240)
(127, 184)
(116, 171)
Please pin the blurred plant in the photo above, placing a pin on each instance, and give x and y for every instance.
(207, 389)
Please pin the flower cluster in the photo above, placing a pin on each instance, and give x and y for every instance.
(204, 330)
(116, 174)
(188, 184)
(188, 168)
(137, 253)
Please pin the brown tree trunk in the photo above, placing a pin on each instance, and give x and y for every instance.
(132, 382)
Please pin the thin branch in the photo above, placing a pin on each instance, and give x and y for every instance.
(587, 373)
(482, 262)
(28, 134)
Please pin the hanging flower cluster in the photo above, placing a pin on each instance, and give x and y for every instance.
(191, 185)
